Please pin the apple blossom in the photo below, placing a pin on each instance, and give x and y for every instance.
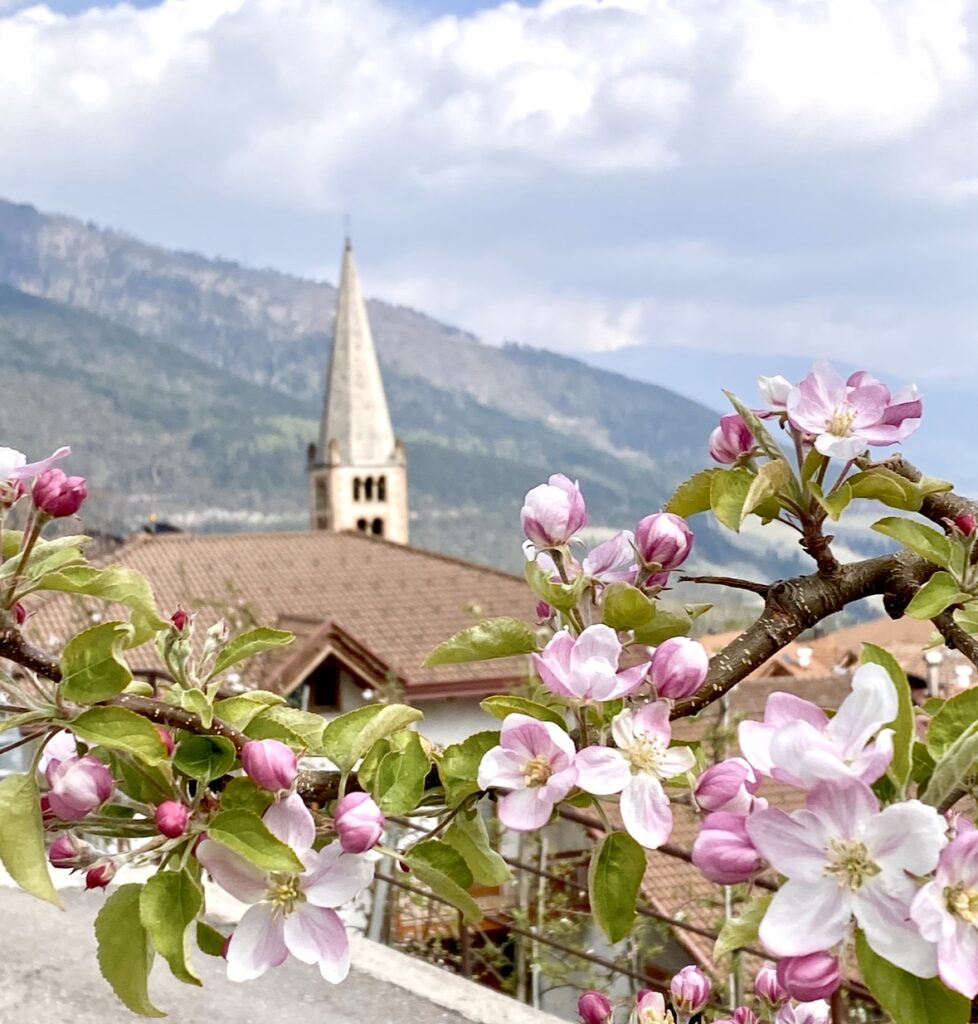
(730, 440)
(79, 785)
(817, 1012)
(291, 912)
(690, 990)
(67, 852)
(775, 390)
(811, 977)
(650, 1008)
(679, 667)
(535, 761)
(723, 851)
(665, 539)
(635, 770)
(60, 747)
(553, 512)
(14, 464)
(799, 745)
(945, 911)
(613, 560)
(966, 523)
(358, 822)
(768, 986)
(585, 668)
(845, 858)
(594, 1008)
(269, 763)
(728, 785)
(745, 1015)
(171, 818)
(58, 495)
(167, 737)
(180, 620)
(99, 876)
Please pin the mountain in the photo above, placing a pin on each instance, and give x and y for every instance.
(189, 388)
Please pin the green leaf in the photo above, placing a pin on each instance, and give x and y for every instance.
(169, 902)
(307, 727)
(771, 480)
(240, 710)
(245, 833)
(370, 765)
(125, 952)
(665, 624)
(728, 493)
(209, 940)
(495, 638)
(922, 540)
(613, 880)
(955, 716)
(907, 999)
(195, 701)
(903, 726)
(762, 436)
(347, 738)
(467, 835)
(883, 485)
(442, 885)
(557, 595)
(938, 593)
(247, 645)
(399, 784)
(22, 837)
(966, 617)
(834, 503)
(24, 718)
(741, 931)
(952, 767)
(459, 763)
(93, 668)
(243, 794)
(443, 858)
(693, 495)
(626, 607)
(505, 704)
(204, 757)
(120, 729)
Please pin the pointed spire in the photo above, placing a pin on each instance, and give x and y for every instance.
(355, 416)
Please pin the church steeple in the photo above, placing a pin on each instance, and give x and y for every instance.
(357, 475)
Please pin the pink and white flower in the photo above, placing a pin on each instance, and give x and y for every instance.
(553, 512)
(79, 785)
(799, 745)
(635, 769)
(730, 439)
(291, 912)
(817, 1012)
(14, 464)
(845, 858)
(614, 560)
(775, 390)
(586, 668)
(535, 761)
(728, 785)
(650, 1008)
(946, 912)
(843, 418)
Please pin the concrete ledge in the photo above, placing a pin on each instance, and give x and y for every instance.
(474, 1002)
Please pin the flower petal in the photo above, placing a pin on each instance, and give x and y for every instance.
(871, 705)
(844, 806)
(525, 810)
(232, 873)
(882, 908)
(782, 708)
(315, 935)
(598, 642)
(256, 944)
(645, 811)
(907, 836)
(805, 916)
(333, 877)
(675, 761)
(793, 844)
(652, 720)
(502, 768)
(290, 821)
(601, 771)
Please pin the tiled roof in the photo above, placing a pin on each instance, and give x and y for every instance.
(388, 605)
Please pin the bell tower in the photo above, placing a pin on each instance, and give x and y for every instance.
(358, 470)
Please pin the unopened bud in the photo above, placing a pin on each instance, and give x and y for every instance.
(167, 737)
(171, 818)
(99, 876)
(270, 764)
(66, 852)
(19, 613)
(664, 538)
(810, 978)
(966, 523)
(79, 785)
(679, 668)
(57, 494)
(690, 989)
(594, 1008)
(358, 822)
(180, 619)
(767, 986)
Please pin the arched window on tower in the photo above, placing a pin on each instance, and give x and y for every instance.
(377, 528)
(382, 488)
(362, 525)
(368, 489)
(356, 488)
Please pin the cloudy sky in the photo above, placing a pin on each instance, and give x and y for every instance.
(645, 181)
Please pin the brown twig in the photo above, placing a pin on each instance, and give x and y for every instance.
(955, 637)
(729, 581)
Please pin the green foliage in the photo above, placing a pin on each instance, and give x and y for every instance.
(398, 785)
(467, 835)
(348, 738)
(195, 701)
(22, 837)
(204, 757)
(556, 594)
(459, 763)
(125, 951)
(666, 623)
(168, 904)
(495, 638)
(244, 833)
(693, 495)
(952, 767)
(242, 708)
(922, 540)
(762, 435)
(441, 871)
(301, 729)
(938, 593)
(247, 645)
(505, 704)
(906, 998)
(120, 729)
(903, 726)
(954, 716)
(614, 877)
(625, 607)
(742, 930)
(209, 940)
(243, 794)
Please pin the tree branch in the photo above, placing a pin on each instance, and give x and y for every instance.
(936, 507)
(955, 637)
(729, 581)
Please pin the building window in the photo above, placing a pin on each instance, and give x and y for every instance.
(320, 493)
(377, 527)
(323, 686)
(368, 488)
(382, 488)
(356, 488)
(362, 525)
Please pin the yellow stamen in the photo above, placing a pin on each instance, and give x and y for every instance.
(850, 862)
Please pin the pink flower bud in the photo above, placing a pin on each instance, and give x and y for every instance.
(679, 668)
(167, 737)
(731, 439)
(65, 852)
(767, 986)
(358, 823)
(544, 611)
(99, 876)
(57, 494)
(180, 619)
(817, 1012)
(745, 1015)
(664, 538)
(171, 818)
(723, 852)
(775, 390)
(650, 1007)
(11, 491)
(79, 785)
(270, 764)
(553, 512)
(811, 977)
(966, 523)
(19, 613)
(594, 1008)
(690, 989)
(729, 785)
